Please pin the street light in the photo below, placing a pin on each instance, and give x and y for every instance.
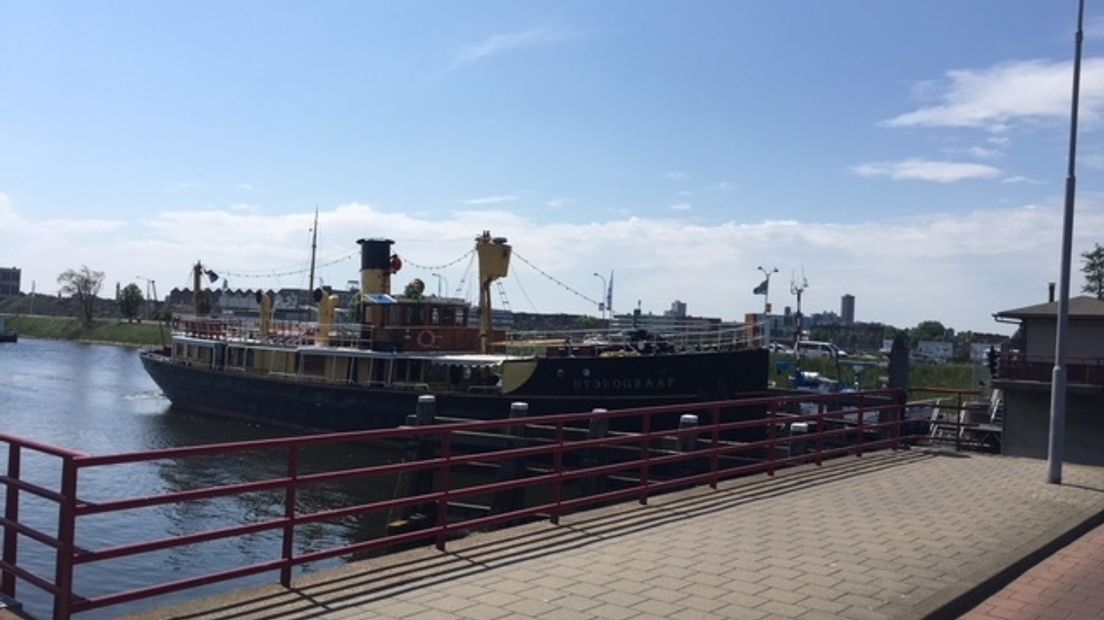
(766, 293)
(601, 304)
(439, 278)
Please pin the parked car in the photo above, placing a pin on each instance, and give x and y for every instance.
(813, 349)
(778, 347)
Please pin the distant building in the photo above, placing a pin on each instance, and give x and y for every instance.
(9, 281)
(824, 318)
(678, 310)
(935, 351)
(847, 309)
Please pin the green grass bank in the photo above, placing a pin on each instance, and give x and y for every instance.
(957, 376)
(111, 331)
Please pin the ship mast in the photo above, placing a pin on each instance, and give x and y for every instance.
(314, 247)
(494, 263)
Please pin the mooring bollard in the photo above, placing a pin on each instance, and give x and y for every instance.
(426, 409)
(598, 456)
(688, 442)
(512, 469)
(419, 449)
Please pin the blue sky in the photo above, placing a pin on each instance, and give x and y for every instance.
(911, 154)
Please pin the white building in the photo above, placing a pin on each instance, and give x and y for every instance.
(935, 351)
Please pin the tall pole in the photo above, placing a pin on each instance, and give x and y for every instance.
(766, 294)
(602, 304)
(439, 279)
(314, 246)
(1058, 380)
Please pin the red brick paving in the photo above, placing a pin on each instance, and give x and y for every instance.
(1066, 586)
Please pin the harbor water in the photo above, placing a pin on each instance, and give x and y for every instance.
(98, 400)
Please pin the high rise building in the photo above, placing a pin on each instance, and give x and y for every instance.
(9, 281)
(847, 309)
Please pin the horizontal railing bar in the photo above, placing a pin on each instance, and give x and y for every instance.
(182, 496)
(31, 578)
(32, 533)
(177, 541)
(175, 586)
(33, 489)
(40, 447)
(375, 543)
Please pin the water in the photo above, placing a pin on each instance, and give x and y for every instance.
(97, 399)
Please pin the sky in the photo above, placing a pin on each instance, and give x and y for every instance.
(912, 154)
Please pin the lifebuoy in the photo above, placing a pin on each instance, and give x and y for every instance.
(426, 339)
(396, 263)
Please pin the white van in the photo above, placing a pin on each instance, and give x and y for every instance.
(812, 349)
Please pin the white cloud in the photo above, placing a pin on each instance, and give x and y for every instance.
(926, 170)
(499, 43)
(676, 175)
(985, 260)
(1007, 94)
(982, 152)
(245, 187)
(490, 200)
(557, 203)
(1021, 179)
(680, 206)
(686, 192)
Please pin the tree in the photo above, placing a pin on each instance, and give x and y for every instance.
(130, 301)
(1094, 272)
(82, 286)
(927, 330)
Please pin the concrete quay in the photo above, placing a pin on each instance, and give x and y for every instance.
(911, 534)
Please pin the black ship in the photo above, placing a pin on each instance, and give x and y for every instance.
(369, 372)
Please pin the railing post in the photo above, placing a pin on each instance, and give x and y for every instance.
(445, 482)
(558, 466)
(11, 513)
(958, 421)
(862, 427)
(645, 456)
(821, 429)
(291, 499)
(714, 446)
(67, 526)
(898, 418)
(770, 440)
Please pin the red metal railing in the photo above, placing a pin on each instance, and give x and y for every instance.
(844, 424)
(953, 416)
(1021, 367)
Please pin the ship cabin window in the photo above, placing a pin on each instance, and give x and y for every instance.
(178, 350)
(454, 315)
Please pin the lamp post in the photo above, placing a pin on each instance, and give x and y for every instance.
(439, 278)
(1056, 440)
(601, 304)
(766, 294)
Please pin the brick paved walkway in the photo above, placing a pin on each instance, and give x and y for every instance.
(1066, 586)
(891, 535)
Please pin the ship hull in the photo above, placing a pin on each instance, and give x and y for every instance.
(565, 385)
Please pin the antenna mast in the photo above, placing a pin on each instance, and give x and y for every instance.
(314, 247)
